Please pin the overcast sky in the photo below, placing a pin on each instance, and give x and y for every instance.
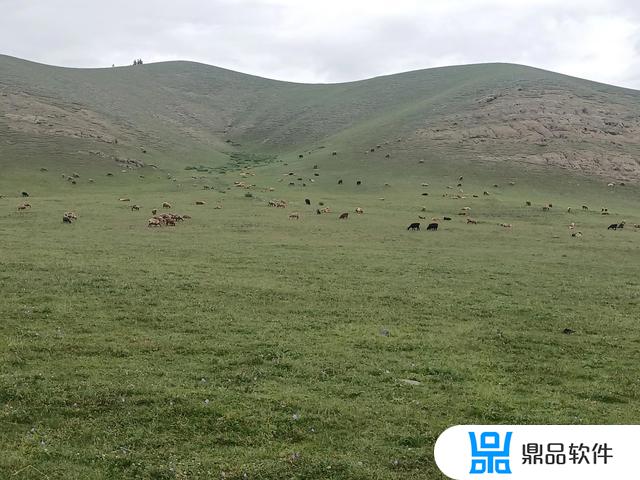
(331, 40)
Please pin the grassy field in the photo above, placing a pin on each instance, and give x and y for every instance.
(241, 344)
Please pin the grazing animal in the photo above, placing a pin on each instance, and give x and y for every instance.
(200, 202)
(24, 206)
(307, 201)
(414, 226)
(124, 199)
(460, 178)
(166, 205)
(506, 225)
(154, 211)
(359, 182)
(550, 206)
(545, 208)
(611, 184)
(334, 153)
(446, 218)
(135, 207)
(473, 221)
(25, 194)
(343, 216)
(584, 207)
(432, 226)
(465, 209)
(318, 212)
(613, 226)
(568, 331)
(576, 234)
(568, 209)
(294, 216)
(528, 203)
(339, 182)
(485, 193)
(359, 211)
(66, 219)
(572, 225)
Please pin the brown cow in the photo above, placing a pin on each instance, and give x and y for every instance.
(154, 222)
(166, 205)
(343, 216)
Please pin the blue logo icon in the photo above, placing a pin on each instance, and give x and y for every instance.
(489, 457)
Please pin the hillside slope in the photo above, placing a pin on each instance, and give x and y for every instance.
(181, 113)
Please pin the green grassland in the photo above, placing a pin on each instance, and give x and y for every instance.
(241, 344)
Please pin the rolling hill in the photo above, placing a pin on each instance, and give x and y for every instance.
(184, 113)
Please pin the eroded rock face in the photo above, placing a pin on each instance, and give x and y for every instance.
(546, 127)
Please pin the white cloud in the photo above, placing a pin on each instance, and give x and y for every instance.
(332, 40)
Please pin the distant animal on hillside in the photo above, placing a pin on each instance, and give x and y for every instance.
(334, 153)
(339, 182)
(307, 201)
(613, 226)
(343, 216)
(506, 225)
(446, 218)
(154, 211)
(414, 226)
(473, 221)
(135, 207)
(545, 208)
(359, 182)
(24, 206)
(421, 217)
(568, 209)
(166, 205)
(576, 234)
(200, 202)
(528, 203)
(485, 193)
(124, 199)
(584, 207)
(66, 219)
(294, 216)
(432, 226)
(359, 211)
(25, 194)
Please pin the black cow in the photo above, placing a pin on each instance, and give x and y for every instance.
(414, 226)
(446, 218)
(359, 182)
(307, 201)
(25, 194)
(613, 226)
(432, 226)
(339, 182)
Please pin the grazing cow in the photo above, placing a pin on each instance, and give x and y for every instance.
(421, 217)
(545, 208)
(166, 205)
(294, 216)
(24, 206)
(359, 182)
(154, 211)
(432, 226)
(343, 216)
(584, 207)
(66, 219)
(387, 156)
(473, 221)
(359, 211)
(318, 212)
(636, 225)
(154, 222)
(25, 194)
(124, 199)
(170, 222)
(200, 202)
(613, 226)
(307, 201)
(576, 234)
(572, 225)
(506, 225)
(568, 209)
(485, 193)
(414, 226)
(446, 218)
(460, 178)
(621, 224)
(334, 153)
(339, 182)
(135, 207)
(550, 206)
(528, 203)
(325, 210)
(300, 156)
(465, 209)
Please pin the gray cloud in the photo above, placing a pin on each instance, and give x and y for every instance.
(333, 40)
